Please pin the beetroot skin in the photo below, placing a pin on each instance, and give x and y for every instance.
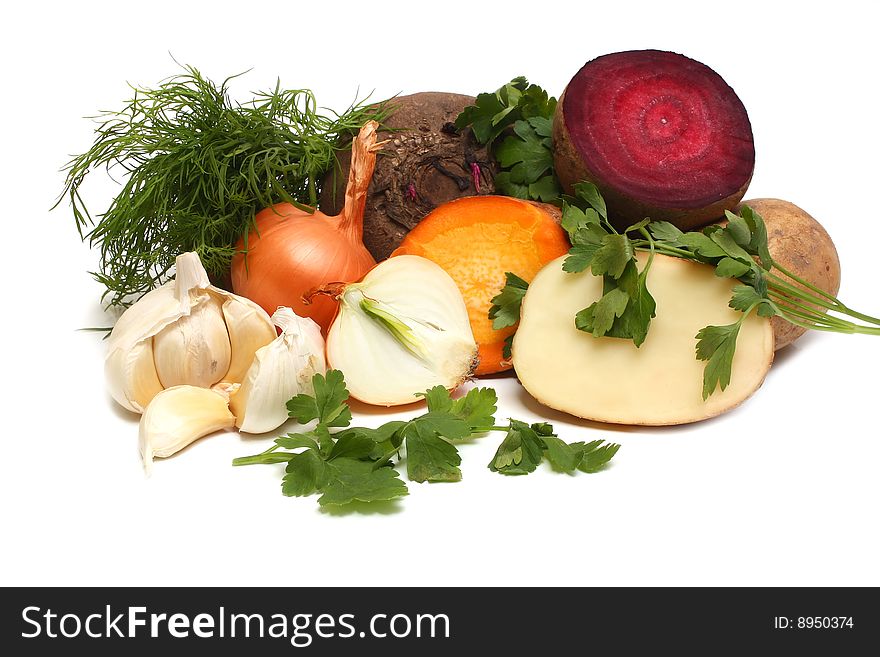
(661, 135)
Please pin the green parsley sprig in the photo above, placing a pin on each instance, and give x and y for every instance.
(522, 112)
(526, 445)
(626, 307)
(345, 464)
(737, 250)
(506, 308)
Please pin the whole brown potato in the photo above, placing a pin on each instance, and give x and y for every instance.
(800, 244)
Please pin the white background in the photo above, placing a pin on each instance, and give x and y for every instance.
(782, 491)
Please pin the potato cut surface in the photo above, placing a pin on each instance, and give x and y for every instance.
(609, 379)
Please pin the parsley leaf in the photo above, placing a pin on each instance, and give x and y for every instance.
(491, 113)
(589, 193)
(505, 184)
(430, 457)
(353, 444)
(355, 463)
(665, 232)
(305, 474)
(387, 438)
(717, 345)
(528, 155)
(327, 405)
(352, 480)
(520, 452)
(524, 113)
(594, 456)
(579, 258)
(612, 257)
(507, 349)
(507, 304)
(486, 115)
(525, 446)
(535, 102)
(758, 242)
(477, 408)
(702, 245)
(296, 440)
(575, 219)
(626, 307)
(738, 229)
(562, 456)
(599, 317)
(546, 189)
(724, 238)
(443, 423)
(437, 399)
(633, 324)
(729, 268)
(744, 298)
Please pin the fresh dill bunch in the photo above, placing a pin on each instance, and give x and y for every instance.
(196, 168)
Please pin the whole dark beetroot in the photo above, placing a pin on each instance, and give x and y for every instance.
(425, 163)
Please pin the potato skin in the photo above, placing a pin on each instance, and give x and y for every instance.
(800, 244)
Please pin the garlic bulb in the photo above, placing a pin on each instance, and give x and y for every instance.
(280, 370)
(400, 331)
(186, 332)
(178, 416)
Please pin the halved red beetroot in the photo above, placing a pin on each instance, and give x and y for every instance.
(661, 135)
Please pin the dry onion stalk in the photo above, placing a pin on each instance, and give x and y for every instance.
(292, 250)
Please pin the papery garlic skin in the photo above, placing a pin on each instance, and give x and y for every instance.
(186, 332)
(280, 370)
(424, 340)
(177, 417)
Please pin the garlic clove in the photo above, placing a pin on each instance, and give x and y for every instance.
(400, 331)
(249, 329)
(131, 376)
(280, 370)
(195, 349)
(177, 417)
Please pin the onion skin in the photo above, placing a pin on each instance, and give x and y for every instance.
(290, 252)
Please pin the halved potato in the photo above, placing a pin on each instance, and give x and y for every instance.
(609, 379)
